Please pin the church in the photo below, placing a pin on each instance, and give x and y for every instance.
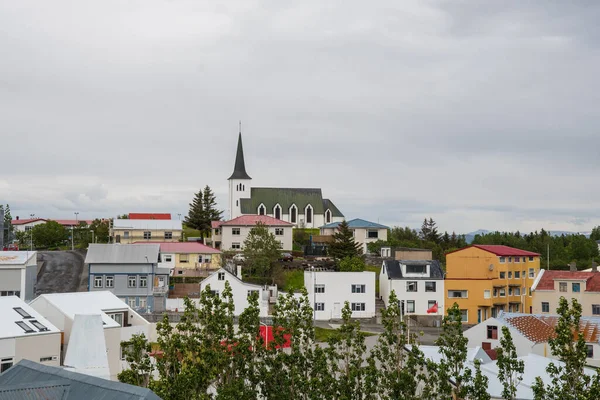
(303, 207)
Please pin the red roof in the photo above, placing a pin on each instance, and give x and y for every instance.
(215, 224)
(548, 277)
(70, 222)
(184, 247)
(500, 250)
(251, 220)
(25, 221)
(149, 216)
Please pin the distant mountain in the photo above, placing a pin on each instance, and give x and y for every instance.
(471, 235)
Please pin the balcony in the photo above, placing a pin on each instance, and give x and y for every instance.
(160, 290)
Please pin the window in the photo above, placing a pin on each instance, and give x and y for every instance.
(278, 231)
(261, 210)
(235, 231)
(214, 293)
(523, 273)
(516, 307)
(509, 259)
(117, 317)
(517, 291)
(510, 291)
(411, 286)
(430, 286)
(464, 315)
(22, 312)
(372, 234)
(38, 325)
(98, 281)
(184, 258)
(5, 364)
(132, 281)
(143, 281)
(509, 274)
(221, 276)
(486, 294)
(236, 246)
(410, 306)
(431, 303)
(517, 259)
(457, 293)
(492, 332)
(293, 214)
(562, 286)
(327, 216)
(132, 302)
(143, 303)
(126, 235)
(531, 271)
(545, 306)
(530, 258)
(180, 272)
(167, 258)
(589, 350)
(502, 259)
(24, 326)
(502, 292)
(252, 291)
(321, 306)
(207, 258)
(125, 350)
(495, 292)
(277, 212)
(168, 235)
(319, 288)
(308, 214)
(529, 292)
(358, 307)
(359, 289)
(110, 281)
(596, 309)
(517, 274)
(44, 359)
(416, 269)
(576, 287)
(147, 235)
(502, 275)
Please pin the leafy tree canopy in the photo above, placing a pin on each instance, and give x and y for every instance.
(261, 250)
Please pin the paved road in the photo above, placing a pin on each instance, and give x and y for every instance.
(62, 271)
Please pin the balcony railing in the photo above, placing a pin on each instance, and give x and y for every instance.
(160, 289)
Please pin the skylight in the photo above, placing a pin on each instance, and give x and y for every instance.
(24, 326)
(22, 312)
(38, 325)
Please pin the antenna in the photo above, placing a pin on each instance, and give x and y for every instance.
(240, 126)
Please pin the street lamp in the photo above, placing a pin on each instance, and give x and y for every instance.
(73, 230)
(31, 234)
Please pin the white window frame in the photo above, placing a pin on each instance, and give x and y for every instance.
(359, 307)
(277, 206)
(547, 305)
(168, 258)
(221, 276)
(466, 296)
(466, 314)
(487, 294)
(531, 272)
(236, 246)
(168, 235)
(278, 231)
(147, 235)
(501, 260)
(262, 207)
(319, 306)
(408, 303)
(130, 279)
(319, 288)
(132, 302)
(98, 281)
(110, 281)
(143, 302)
(312, 214)
(434, 287)
(294, 215)
(143, 281)
(358, 288)
(328, 216)
(409, 284)
(236, 231)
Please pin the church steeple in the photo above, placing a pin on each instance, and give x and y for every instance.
(239, 170)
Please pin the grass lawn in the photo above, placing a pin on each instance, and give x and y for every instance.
(376, 269)
(292, 280)
(191, 232)
(322, 334)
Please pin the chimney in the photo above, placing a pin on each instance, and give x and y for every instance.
(594, 266)
(239, 272)
(573, 266)
(17, 217)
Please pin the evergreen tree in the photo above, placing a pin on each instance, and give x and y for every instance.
(343, 244)
(195, 217)
(510, 368)
(425, 230)
(209, 211)
(8, 228)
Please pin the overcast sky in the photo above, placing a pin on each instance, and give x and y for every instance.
(480, 114)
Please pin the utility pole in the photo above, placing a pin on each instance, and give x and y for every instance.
(72, 242)
(548, 257)
(73, 230)
(31, 234)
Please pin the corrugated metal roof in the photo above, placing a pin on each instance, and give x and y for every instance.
(50, 390)
(285, 197)
(335, 212)
(148, 224)
(357, 223)
(81, 386)
(122, 253)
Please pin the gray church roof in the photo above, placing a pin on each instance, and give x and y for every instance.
(28, 380)
(239, 170)
(285, 197)
(395, 272)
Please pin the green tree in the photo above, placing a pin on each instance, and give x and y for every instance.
(594, 235)
(101, 230)
(50, 235)
(195, 217)
(124, 216)
(479, 389)
(343, 244)
(209, 211)
(261, 250)
(8, 228)
(510, 368)
(429, 231)
(139, 371)
(355, 264)
(569, 380)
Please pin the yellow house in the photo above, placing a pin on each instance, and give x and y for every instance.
(486, 279)
(189, 258)
(127, 231)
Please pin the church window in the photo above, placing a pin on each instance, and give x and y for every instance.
(261, 210)
(328, 216)
(243, 187)
(293, 214)
(237, 203)
(308, 214)
(277, 212)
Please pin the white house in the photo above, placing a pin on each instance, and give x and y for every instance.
(233, 233)
(18, 274)
(328, 291)
(530, 334)
(25, 225)
(128, 231)
(364, 232)
(120, 321)
(25, 334)
(240, 290)
(418, 284)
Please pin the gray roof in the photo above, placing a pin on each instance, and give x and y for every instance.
(395, 272)
(122, 254)
(239, 170)
(285, 197)
(55, 383)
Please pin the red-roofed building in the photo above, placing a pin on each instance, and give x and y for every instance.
(230, 235)
(23, 225)
(188, 258)
(149, 216)
(486, 279)
(579, 285)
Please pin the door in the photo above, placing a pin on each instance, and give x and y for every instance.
(479, 316)
(337, 311)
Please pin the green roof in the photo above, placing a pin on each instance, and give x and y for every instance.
(285, 197)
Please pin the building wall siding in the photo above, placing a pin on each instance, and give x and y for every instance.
(36, 347)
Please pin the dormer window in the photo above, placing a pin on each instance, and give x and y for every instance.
(308, 214)
(277, 212)
(416, 269)
(328, 216)
(261, 209)
(293, 213)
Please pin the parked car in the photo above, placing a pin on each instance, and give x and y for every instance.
(286, 257)
(239, 257)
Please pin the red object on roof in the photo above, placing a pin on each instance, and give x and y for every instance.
(149, 216)
(592, 279)
(183, 247)
(251, 220)
(25, 221)
(500, 250)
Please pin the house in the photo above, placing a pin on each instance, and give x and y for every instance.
(131, 272)
(71, 223)
(531, 333)
(550, 286)
(240, 290)
(162, 216)
(29, 380)
(127, 231)
(418, 284)
(364, 232)
(486, 279)
(405, 253)
(119, 322)
(233, 233)
(215, 235)
(328, 291)
(25, 334)
(303, 207)
(18, 274)
(188, 258)
(25, 225)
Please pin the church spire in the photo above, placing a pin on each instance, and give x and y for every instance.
(239, 170)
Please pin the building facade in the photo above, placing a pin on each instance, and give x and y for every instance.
(131, 272)
(550, 286)
(127, 231)
(18, 274)
(328, 292)
(189, 258)
(486, 279)
(364, 232)
(233, 233)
